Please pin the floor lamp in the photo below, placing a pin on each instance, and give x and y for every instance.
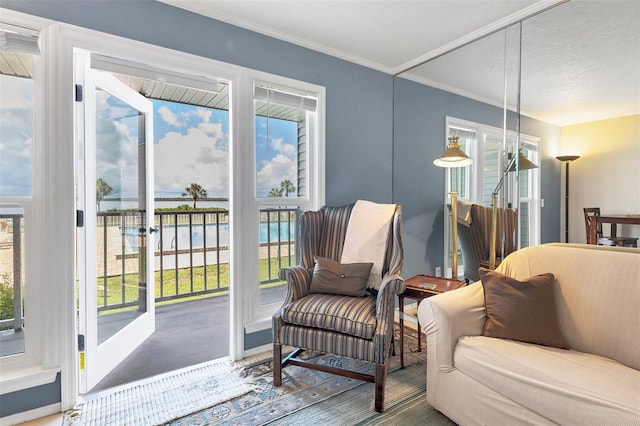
(453, 157)
(566, 159)
(523, 164)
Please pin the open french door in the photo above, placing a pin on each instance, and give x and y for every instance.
(116, 219)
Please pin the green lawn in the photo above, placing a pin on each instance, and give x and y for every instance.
(115, 287)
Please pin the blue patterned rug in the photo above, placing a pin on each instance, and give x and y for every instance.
(303, 388)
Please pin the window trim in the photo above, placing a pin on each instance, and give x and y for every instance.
(257, 316)
(34, 366)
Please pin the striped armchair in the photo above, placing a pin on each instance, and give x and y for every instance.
(475, 238)
(354, 327)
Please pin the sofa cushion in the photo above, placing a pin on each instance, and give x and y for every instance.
(566, 387)
(347, 279)
(521, 310)
(344, 314)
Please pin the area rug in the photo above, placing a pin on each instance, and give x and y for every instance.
(163, 399)
(309, 397)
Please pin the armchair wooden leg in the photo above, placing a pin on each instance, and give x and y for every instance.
(381, 378)
(277, 364)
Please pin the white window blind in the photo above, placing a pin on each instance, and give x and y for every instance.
(16, 41)
(277, 97)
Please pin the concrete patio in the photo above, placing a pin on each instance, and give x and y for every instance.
(187, 333)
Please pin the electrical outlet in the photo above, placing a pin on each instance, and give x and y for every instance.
(438, 271)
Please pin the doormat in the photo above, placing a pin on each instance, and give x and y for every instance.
(161, 400)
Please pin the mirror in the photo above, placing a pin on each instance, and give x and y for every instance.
(579, 63)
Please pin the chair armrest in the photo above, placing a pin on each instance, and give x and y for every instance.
(298, 279)
(385, 301)
(385, 311)
(448, 316)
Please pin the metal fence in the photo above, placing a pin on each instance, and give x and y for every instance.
(191, 254)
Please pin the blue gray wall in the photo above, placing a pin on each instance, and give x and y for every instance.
(382, 132)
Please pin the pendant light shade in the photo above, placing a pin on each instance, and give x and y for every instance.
(453, 156)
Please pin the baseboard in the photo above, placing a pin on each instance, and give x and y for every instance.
(36, 413)
(258, 350)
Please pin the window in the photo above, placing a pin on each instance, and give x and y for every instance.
(492, 151)
(26, 359)
(285, 134)
(16, 186)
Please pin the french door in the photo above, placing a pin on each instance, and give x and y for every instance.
(116, 221)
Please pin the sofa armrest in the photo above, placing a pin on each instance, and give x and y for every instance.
(447, 317)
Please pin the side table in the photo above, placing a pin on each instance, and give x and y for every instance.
(420, 287)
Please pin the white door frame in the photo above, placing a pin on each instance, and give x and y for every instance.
(59, 41)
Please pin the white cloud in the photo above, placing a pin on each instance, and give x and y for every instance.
(17, 93)
(196, 157)
(204, 114)
(285, 148)
(169, 117)
(212, 129)
(273, 172)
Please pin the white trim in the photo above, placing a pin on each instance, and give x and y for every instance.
(19, 367)
(258, 350)
(468, 38)
(62, 39)
(28, 24)
(255, 313)
(57, 183)
(473, 96)
(36, 413)
(241, 206)
(280, 35)
(25, 378)
(257, 325)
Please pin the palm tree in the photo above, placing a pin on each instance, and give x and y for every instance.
(287, 187)
(102, 190)
(195, 191)
(275, 192)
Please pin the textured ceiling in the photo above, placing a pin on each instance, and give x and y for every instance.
(580, 60)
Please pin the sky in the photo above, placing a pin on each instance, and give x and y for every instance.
(16, 132)
(191, 145)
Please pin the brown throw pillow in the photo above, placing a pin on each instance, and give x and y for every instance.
(521, 310)
(331, 277)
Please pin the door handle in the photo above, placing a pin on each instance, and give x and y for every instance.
(152, 230)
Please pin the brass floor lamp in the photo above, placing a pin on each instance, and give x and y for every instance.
(524, 164)
(453, 157)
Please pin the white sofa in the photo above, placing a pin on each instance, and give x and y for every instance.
(474, 379)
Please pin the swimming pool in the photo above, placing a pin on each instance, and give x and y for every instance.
(269, 232)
